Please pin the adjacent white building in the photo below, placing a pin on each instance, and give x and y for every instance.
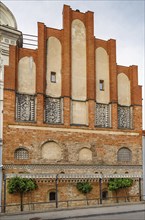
(9, 35)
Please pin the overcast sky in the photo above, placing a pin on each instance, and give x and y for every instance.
(123, 20)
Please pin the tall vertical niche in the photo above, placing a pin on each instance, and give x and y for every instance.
(54, 65)
(25, 98)
(78, 67)
(102, 76)
(124, 102)
(27, 76)
(123, 90)
(79, 107)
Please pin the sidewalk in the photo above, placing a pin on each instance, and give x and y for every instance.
(67, 213)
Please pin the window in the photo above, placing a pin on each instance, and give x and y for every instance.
(21, 154)
(53, 77)
(52, 196)
(124, 155)
(101, 85)
(105, 195)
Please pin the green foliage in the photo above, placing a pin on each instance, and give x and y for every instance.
(21, 185)
(84, 187)
(119, 183)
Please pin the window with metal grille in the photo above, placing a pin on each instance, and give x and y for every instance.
(21, 154)
(124, 117)
(52, 196)
(124, 155)
(25, 107)
(102, 115)
(53, 110)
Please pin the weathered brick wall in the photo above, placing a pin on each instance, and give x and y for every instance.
(104, 147)
(103, 142)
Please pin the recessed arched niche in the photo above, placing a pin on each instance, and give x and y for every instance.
(78, 56)
(27, 75)
(124, 96)
(85, 154)
(51, 151)
(102, 76)
(54, 66)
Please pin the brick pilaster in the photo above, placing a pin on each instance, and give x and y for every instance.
(66, 53)
(66, 111)
(91, 113)
(136, 92)
(90, 41)
(112, 70)
(41, 62)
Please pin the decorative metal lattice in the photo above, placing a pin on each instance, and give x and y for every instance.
(124, 155)
(25, 107)
(124, 117)
(21, 154)
(102, 115)
(53, 110)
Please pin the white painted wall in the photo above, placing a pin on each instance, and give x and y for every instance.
(51, 151)
(54, 64)
(78, 68)
(79, 114)
(26, 76)
(102, 73)
(8, 36)
(85, 154)
(6, 16)
(124, 96)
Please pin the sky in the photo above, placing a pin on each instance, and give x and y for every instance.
(122, 20)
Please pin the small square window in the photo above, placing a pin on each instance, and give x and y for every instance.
(53, 77)
(101, 85)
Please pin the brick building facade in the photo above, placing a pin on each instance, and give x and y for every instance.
(69, 109)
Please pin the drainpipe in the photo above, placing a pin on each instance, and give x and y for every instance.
(4, 193)
(56, 187)
(100, 186)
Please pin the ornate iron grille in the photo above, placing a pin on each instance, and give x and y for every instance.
(124, 155)
(53, 110)
(21, 154)
(102, 115)
(124, 117)
(25, 107)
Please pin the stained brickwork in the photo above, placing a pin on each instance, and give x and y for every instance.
(104, 142)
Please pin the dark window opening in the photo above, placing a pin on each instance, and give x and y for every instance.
(52, 196)
(53, 77)
(105, 195)
(101, 85)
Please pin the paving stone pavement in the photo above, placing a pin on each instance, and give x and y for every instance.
(62, 214)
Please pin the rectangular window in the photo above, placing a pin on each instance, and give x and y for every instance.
(53, 77)
(101, 85)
